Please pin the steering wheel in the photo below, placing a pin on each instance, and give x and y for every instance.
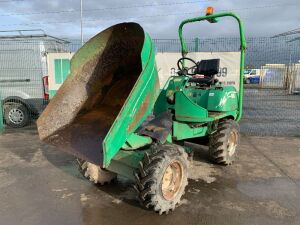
(185, 70)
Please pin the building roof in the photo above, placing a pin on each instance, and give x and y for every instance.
(29, 34)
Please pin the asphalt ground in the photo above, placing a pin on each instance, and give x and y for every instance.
(41, 185)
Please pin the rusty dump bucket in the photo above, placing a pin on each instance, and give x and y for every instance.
(110, 91)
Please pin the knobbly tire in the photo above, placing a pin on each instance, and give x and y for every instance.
(162, 178)
(95, 173)
(223, 143)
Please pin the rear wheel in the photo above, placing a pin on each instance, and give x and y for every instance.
(95, 173)
(223, 143)
(162, 178)
(16, 114)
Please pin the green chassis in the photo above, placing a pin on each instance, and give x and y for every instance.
(197, 111)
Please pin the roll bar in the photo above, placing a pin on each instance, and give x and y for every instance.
(213, 17)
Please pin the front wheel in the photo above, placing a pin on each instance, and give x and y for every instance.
(223, 143)
(16, 115)
(95, 173)
(162, 178)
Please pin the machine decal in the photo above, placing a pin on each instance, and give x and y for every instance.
(231, 94)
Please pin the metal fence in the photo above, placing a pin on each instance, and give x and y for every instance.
(260, 50)
(271, 102)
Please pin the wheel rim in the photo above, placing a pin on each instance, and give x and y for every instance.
(232, 143)
(16, 116)
(172, 180)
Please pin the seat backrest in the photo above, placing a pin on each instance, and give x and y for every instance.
(209, 67)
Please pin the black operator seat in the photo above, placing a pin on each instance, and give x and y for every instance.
(209, 68)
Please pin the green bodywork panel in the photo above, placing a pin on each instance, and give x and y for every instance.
(124, 162)
(135, 141)
(187, 110)
(182, 131)
(222, 99)
(137, 107)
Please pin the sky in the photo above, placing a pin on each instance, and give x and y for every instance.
(160, 19)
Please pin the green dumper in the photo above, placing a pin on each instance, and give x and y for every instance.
(111, 114)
